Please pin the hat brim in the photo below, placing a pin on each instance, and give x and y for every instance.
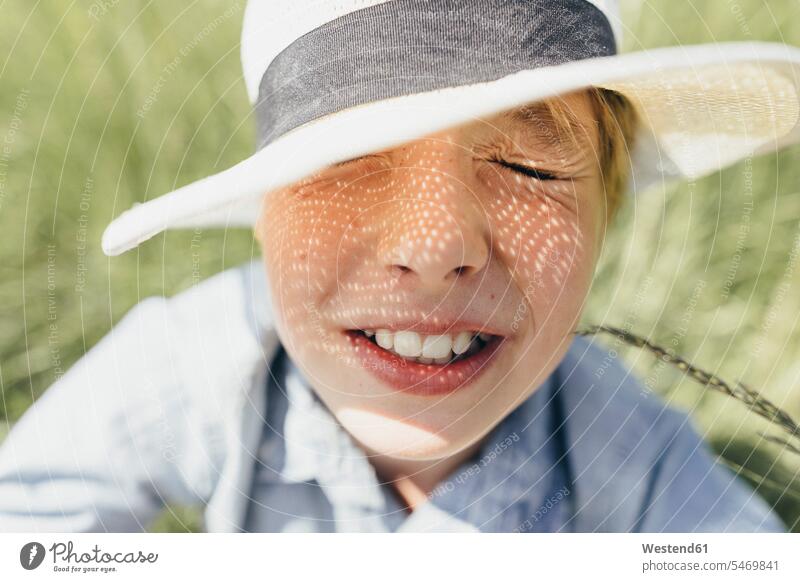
(702, 107)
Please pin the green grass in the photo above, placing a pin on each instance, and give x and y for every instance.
(71, 86)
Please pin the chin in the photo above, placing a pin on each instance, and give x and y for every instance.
(399, 438)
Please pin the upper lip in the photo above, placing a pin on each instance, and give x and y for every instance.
(428, 327)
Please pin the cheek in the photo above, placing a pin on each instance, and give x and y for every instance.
(547, 241)
(308, 242)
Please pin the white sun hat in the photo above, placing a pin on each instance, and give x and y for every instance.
(333, 80)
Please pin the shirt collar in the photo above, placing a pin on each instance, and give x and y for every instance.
(513, 473)
(318, 448)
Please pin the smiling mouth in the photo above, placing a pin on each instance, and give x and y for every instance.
(421, 364)
(438, 350)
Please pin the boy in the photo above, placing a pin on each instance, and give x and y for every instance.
(401, 357)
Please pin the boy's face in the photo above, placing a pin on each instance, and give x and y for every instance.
(437, 241)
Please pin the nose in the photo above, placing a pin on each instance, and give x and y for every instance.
(436, 231)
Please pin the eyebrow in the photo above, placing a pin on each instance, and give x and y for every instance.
(538, 118)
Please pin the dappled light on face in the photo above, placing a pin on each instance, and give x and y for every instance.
(417, 281)
(539, 236)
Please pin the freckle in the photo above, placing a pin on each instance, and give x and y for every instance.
(491, 296)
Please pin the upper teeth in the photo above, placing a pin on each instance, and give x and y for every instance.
(426, 348)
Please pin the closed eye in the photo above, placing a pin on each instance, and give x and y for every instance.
(527, 170)
(348, 162)
(367, 157)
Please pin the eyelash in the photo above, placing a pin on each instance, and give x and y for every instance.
(355, 160)
(540, 175)
(528, 171)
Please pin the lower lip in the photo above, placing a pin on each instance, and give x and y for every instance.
(423, 379)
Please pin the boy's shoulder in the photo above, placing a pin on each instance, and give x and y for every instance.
(603, 394)
(238, 295)
(212, 339)
(618, 432)
(638, 463)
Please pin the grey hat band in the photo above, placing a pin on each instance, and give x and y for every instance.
(404, 47)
